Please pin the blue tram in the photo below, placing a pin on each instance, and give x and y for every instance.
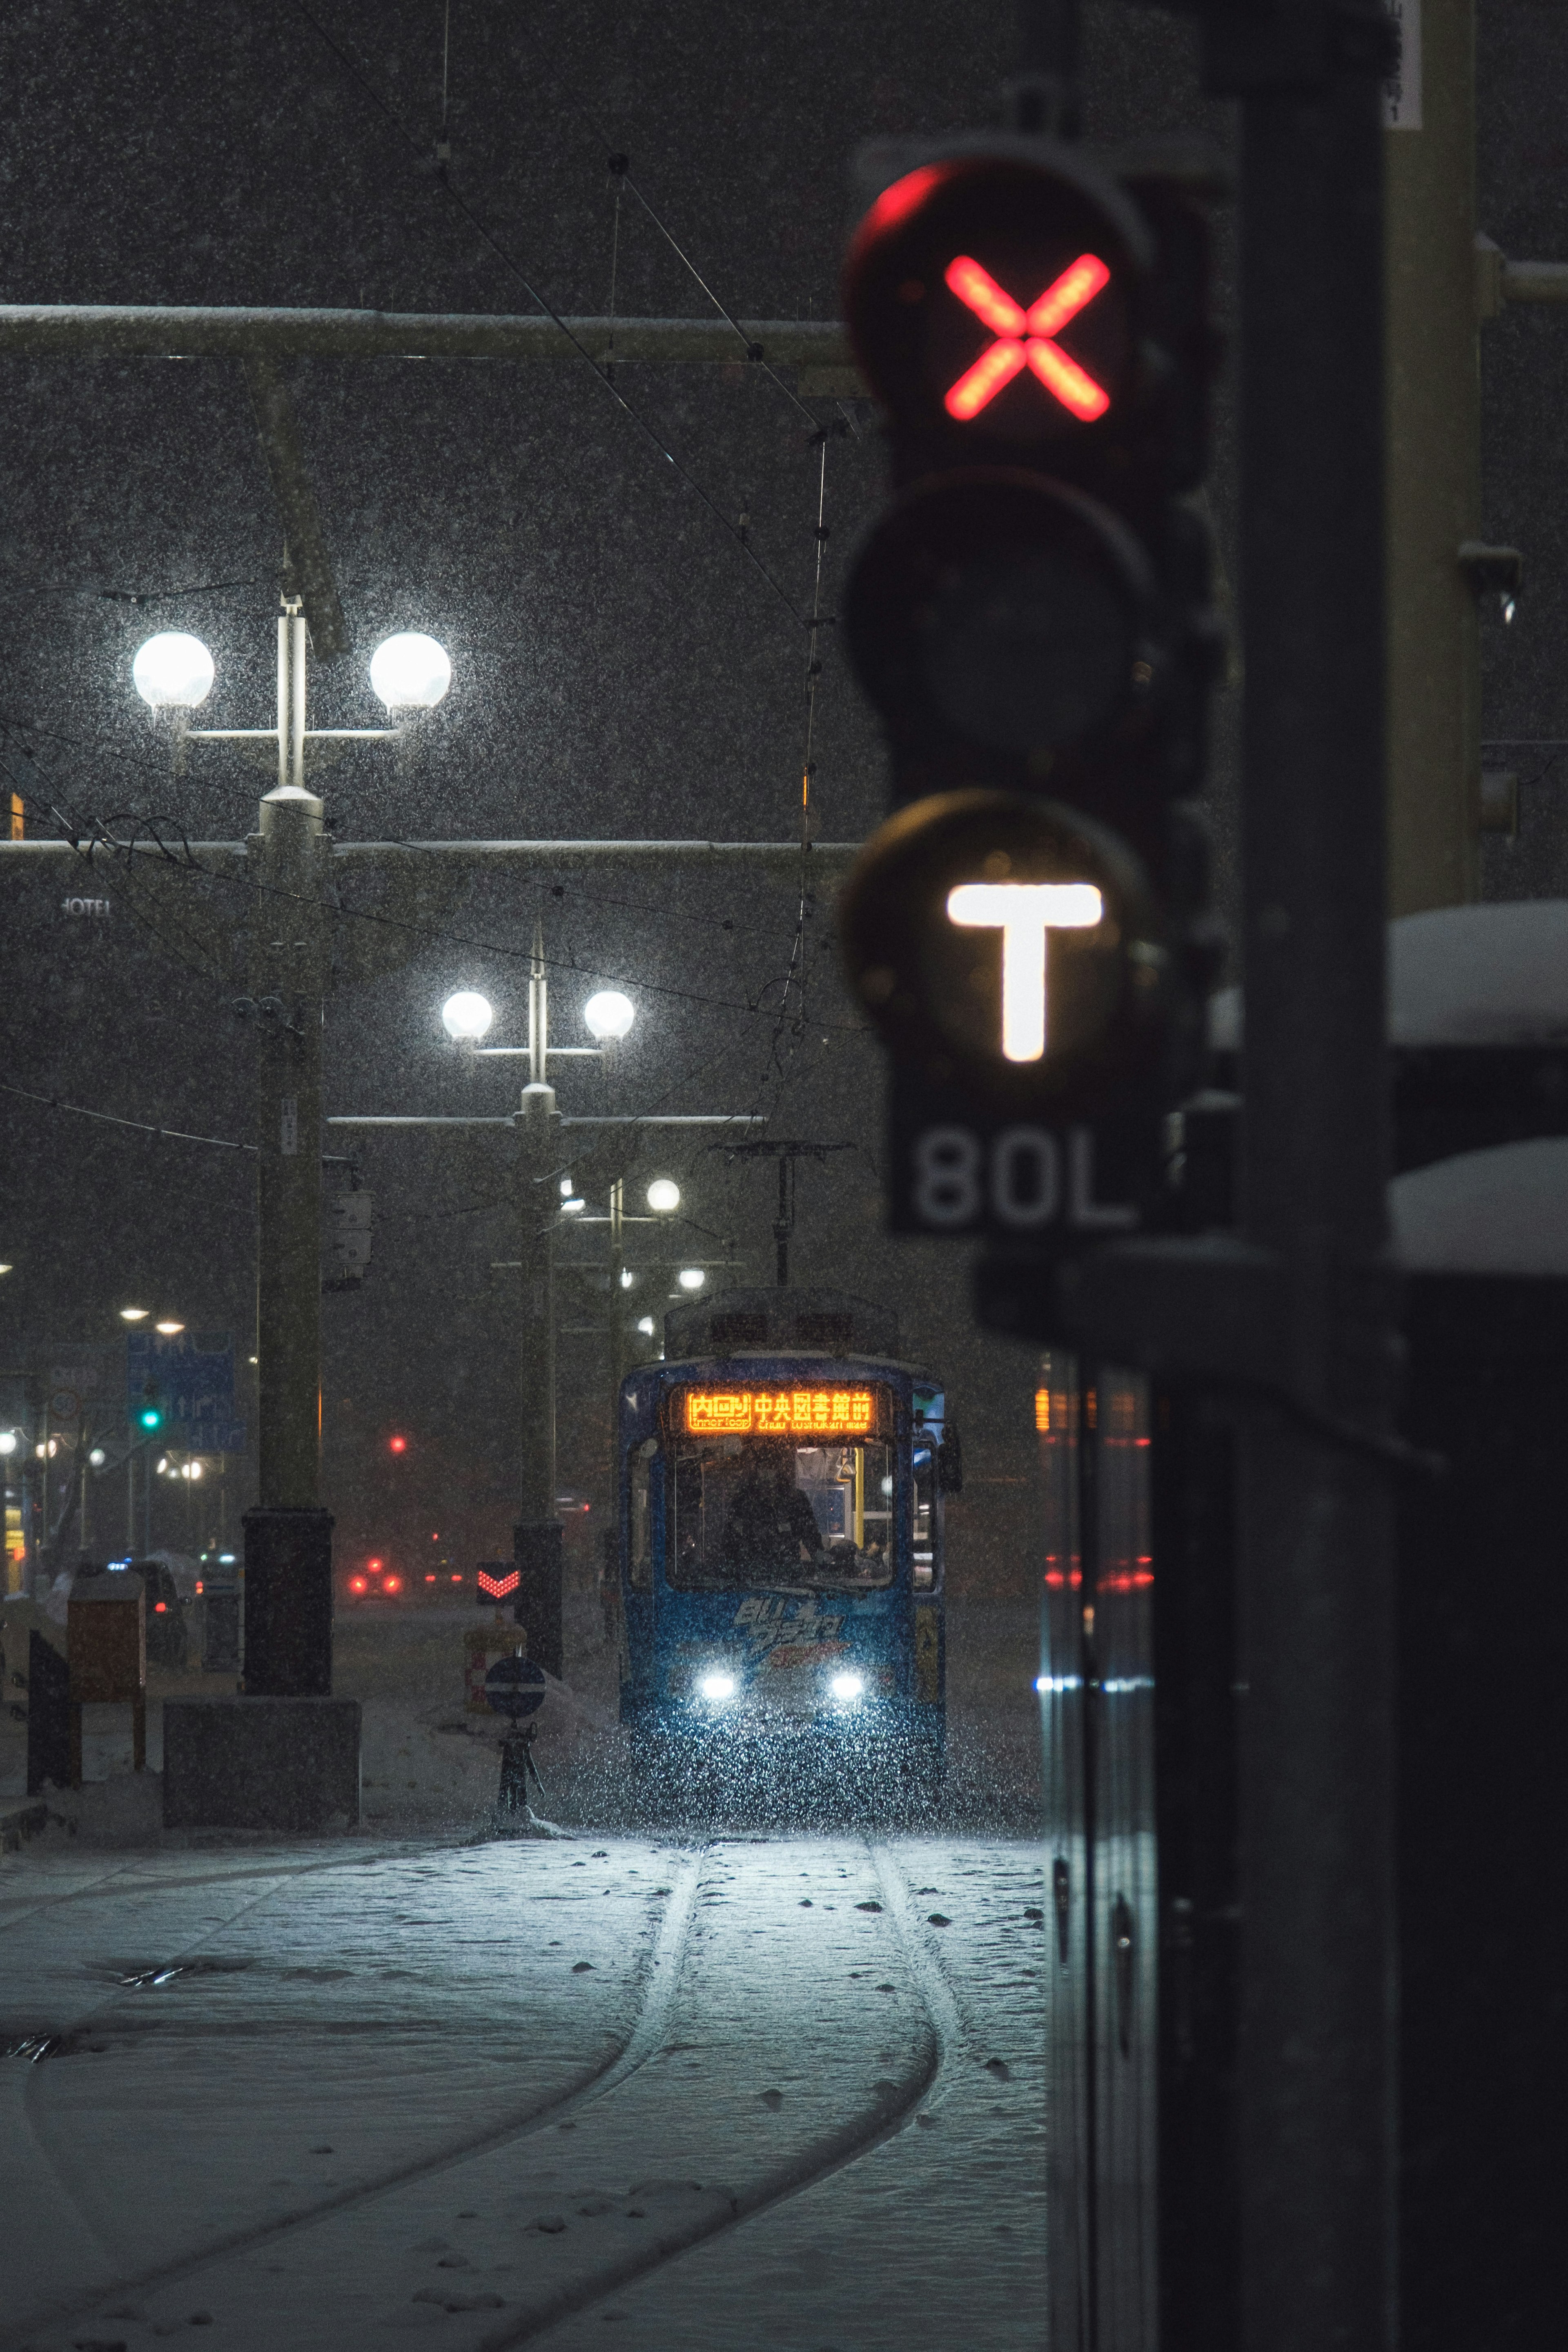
(781, 1549)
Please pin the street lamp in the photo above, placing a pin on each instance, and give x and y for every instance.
(7, 1441)
(691, 1278)
(169, 1327)
(173, 671)
(609, 1014)
(467, 1016)
(134, 1314)
(410, 672)
(664, 1196)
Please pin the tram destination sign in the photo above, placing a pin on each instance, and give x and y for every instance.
(781, 1412)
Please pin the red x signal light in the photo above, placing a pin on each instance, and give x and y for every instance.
(1023, 338)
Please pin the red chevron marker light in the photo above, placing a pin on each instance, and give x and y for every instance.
(496, 1588)
(1023, 338)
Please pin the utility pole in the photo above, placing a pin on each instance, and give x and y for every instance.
(788, 1154)
(537, 1537)
(287, 1533)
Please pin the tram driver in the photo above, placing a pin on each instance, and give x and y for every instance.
(771, 1526)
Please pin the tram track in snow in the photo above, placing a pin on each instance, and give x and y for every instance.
(849, 2146)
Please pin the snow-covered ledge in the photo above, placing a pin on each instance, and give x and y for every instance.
(1492, 975)
(1504, 1210)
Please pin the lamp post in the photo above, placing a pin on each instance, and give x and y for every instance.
(289, 970)
(544, 1150)
(608, 1018)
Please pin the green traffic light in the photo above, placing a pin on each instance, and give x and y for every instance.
(152, 1418)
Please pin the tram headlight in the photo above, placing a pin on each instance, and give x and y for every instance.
(717, 1685)
(847, 1687)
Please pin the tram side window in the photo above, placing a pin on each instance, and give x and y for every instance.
(923, 1497)
(639, 1532)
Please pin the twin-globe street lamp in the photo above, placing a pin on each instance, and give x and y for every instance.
(173, 671)
(467, 1016)
(291, 954)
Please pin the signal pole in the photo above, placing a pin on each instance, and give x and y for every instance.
(1033, 555)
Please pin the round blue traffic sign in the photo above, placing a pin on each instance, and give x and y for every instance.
(515, 1687)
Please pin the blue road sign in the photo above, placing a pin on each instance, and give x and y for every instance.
(515, 1687)
(190, 1374)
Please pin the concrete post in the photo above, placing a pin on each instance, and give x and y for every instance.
(1434, 490)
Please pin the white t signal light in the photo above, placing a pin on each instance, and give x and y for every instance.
(1024, 912)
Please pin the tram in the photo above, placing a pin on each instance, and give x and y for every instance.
(782, 1604)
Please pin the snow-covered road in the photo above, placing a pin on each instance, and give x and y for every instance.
(781, 2092)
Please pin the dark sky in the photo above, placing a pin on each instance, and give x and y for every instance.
(620, 669)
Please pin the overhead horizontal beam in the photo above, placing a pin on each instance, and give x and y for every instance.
(1535, 281)
(771, 857)
(634, 1119)
(73, 329)
(780, 857)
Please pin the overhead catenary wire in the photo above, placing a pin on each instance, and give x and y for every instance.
(508, 262)
(109, 1118)
(620, 171)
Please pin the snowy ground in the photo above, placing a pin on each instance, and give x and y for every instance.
(756, 2092)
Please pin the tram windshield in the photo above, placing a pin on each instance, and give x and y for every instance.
(751, 1511)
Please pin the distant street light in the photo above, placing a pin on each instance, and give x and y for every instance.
(663, 1196)
(6, 1267)
(608, 1015)
(410, 671)
(98, 1457)
(169, 1327)
(467, 1016)
(691, 1278)
(133, 1314)
(645, 1325)
(7, 1441)
(173, 671)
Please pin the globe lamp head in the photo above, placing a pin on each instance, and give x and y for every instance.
(173, 671)
(410, 671)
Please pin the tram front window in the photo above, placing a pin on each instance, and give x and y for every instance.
(754, 1511)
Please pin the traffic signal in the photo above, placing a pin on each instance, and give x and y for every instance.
(1030, 615)
(150, 1416)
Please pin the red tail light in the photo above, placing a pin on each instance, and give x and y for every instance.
(393, 1584)
(358, 1584)
(159, 1607)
